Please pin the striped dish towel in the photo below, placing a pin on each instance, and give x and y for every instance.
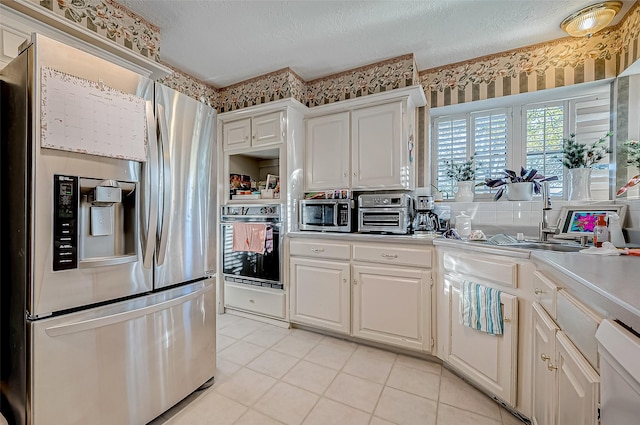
(480, 308)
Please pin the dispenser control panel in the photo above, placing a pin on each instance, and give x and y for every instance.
(65, 222)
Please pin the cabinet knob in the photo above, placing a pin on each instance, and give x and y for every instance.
(544, 357)
(551, 367)
(355, 282)
(254, 137)
(538, 291)
(344, 175)
(355, 174)
(252, 301)
(344, 280)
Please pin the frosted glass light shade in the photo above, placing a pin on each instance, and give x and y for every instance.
(591, 19)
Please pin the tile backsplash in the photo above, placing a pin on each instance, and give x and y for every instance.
(525, 215)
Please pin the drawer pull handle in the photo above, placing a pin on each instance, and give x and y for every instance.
(252, 301)
(316, 250)
(538, 291)
(551, 367)
(389, 255)
(506, 320)
(544, 357)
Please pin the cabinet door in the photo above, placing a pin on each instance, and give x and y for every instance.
(320, 293)
(543, 385)
(376, 137)
(489, 360)
(327, 160)
(578, 386)
(392, 305)
(268, 129)
(236, 134)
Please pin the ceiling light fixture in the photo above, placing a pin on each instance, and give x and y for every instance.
(591, 19)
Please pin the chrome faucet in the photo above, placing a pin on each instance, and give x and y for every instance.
(544, 229)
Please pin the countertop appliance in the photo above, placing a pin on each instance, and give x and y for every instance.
(108, 306)
(425, 221)
(327, 215)
(250, 266)
(384, 213)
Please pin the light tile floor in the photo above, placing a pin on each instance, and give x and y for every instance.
(267, 375)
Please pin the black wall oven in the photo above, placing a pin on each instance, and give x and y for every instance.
(250, 264)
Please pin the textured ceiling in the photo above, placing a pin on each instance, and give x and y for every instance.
(223, 42)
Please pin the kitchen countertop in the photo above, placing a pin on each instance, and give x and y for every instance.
(611, 283)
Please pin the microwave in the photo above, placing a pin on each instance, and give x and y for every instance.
(327, 215)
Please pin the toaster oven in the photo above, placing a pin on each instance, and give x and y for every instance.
(385, 213)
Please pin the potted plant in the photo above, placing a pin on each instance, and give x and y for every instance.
(632, 148)
(579, 158)
(464, 174)
(521, 186)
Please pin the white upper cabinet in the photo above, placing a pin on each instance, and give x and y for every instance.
(363, 144)
(327, 159)
(257, 131)
(377, 149)
(237, 134)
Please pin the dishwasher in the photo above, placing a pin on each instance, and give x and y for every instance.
(619, 349)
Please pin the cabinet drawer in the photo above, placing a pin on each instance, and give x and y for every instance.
(320, 249)
(255, 300)
(545, 292)
(493, 270)
(580, 324)
(393, 254)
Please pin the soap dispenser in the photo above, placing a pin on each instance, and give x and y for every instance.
(615, 230)
(463, 225)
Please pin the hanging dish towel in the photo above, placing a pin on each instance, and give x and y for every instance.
(480, 308)
(249, 237)
(268, 244)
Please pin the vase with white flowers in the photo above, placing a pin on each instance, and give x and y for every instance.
(632, 149)
(464, 174)
(580, 158)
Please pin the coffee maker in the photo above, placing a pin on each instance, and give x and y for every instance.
(426, 221)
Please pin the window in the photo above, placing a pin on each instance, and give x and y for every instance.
(483, 134)
(490, 133)
(529, 134)
(452, 146)
(543, 139)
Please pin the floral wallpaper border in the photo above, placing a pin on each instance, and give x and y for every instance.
(552, 64)
(110, 20)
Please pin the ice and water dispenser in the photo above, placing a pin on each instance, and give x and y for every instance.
(94, 222)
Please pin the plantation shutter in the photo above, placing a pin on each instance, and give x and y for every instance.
(544, 133)
(490, 135)
(451, 144)
(592, 121)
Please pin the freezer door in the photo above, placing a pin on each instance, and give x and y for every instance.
(125, 363)
(31, 187)
(186, 221)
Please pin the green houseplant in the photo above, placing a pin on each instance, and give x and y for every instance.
(525, 176)
(464, 174)
(632, 149)
(579, 158)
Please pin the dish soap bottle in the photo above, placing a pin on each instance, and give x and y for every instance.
(600, 232)
(463, 225)
(615, 231)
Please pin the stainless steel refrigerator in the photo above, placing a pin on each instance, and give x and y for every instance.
(107, 298)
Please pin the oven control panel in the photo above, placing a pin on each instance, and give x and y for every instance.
(65, 222)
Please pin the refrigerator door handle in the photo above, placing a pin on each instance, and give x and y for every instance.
(98, 322)
(166, 184)
(148, 238)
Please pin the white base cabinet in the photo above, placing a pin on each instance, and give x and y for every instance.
(375, 291)
(320, 293)
(490, 360)
(565, 386)
(391, 305)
